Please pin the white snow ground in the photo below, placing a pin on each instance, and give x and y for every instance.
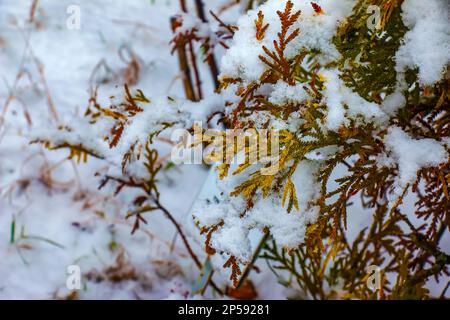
(55, 201)
(59, 216)
(65, 219)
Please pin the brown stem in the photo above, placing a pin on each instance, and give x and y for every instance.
(180, 231)
(255, 256)
(185, 241)
(200, 10)
(198, 82)
(183, 5)
(214, 69)
(33, 10)
(211, 60)
(140, 185)
(442, 296)
(184, 65)
(221, 23)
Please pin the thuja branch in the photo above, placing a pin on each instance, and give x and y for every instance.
(211, 59)
(180, 47)
(154, 198)
(256, 255)
(180, 232)
(186, 242)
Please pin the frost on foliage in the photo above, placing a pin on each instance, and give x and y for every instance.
(191, 26)
(191, 22)
(286, 99)
(245, 67)
(343, 103)
(393, 102)
(284, 93)
(76, 131)
(302, 90)
(235, 221)
(427, 45)
(154, 116)
(411, 155)
(316, 32)
(179, 113)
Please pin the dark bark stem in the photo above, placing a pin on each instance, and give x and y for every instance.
(198, 82)
(184, 66)
(181, 233)
(211, 59)
(200, 10)
(185, 241)
(183, 5)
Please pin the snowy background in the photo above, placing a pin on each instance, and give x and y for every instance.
(52, 214)
(59, 216)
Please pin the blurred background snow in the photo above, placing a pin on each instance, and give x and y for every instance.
(51, 213)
